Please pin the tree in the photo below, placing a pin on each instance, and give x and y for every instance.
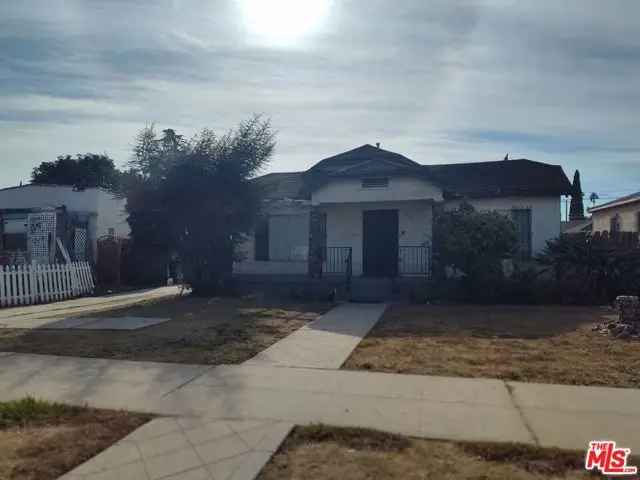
(196, 198)
(473, 243)
(576, 209)
(84, 171)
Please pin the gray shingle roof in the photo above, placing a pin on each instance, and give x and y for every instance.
(480, 179)
(501, 178)
(282, 185)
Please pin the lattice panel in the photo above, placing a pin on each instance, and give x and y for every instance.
(80, 244)
(41, 228)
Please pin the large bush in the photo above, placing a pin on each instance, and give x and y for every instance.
(471, 245)
(593, 269)
(195, 199)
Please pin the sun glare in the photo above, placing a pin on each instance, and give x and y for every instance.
(283, 22)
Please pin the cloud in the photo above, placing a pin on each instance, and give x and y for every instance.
(438, 81)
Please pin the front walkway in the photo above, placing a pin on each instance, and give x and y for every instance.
(326, 342)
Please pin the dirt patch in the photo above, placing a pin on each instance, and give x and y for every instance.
(45, 446)
(533, 344)
(204, 331)
(323, 453)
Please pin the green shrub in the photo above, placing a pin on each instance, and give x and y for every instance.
(593, 269)
(473, 244)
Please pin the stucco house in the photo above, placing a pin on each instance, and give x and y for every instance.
(619, 215)
(368, 212)
(32, 217)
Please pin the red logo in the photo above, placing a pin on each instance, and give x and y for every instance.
(603, 455)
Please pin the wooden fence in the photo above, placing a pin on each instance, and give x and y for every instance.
(31, 284)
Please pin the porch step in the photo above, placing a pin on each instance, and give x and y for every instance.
(371, 289)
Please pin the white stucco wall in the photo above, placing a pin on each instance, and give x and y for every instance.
(104, 211)
(109, 210)
(111, 214)
(399, 189)
(344, 225)
(545, 214)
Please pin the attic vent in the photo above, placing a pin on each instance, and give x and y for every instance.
(375, 182)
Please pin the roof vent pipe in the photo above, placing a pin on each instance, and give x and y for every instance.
(377, 144)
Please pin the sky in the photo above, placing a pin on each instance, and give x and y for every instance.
(438, 81)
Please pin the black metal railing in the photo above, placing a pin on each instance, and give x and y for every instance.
(337, 260)
(414, 259)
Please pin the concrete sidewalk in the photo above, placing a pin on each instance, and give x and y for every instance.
(38, 316)
(422, 406)
(326, 342)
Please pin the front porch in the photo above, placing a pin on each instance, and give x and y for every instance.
(341, 241)
(372, 239)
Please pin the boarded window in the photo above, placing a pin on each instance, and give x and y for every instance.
(375, 182)
(522, 220)
(262, 241)
(289, 237)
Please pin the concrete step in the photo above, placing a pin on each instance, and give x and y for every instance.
(364, 289)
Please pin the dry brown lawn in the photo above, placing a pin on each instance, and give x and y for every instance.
(547, 344)
(323, 453)
(205, 331)
(53, 444)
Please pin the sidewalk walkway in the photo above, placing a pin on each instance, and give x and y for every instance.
(423, 406)
(228, 420)
(37, 316)
(326, 342)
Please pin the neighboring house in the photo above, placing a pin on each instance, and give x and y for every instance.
(32, 217)
(370, 211)
(620, 215)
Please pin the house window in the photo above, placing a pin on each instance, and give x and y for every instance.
(375, 182)
(14, 232)
(637, 221)
(614, 224)
(262, 241)
(521, 218)
(14, 241)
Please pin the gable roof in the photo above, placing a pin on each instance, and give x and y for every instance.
(501, 178)
(634, 197)
(479, 179)
(365, 153)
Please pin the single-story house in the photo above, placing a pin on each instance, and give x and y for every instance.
(620, 215)
(33, 217)
(369, 212)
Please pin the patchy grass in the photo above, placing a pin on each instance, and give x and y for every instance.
(40, 440)
(30, 410)
(200, 330)
(546, 344)
(324, 453)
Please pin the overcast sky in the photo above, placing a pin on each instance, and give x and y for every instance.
(440, 82)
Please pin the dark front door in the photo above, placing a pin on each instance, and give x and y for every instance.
(380, 243)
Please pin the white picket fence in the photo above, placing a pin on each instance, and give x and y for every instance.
(31, 284)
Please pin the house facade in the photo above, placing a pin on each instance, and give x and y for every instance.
(369, 212)
(620, 215)
(33, 217)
